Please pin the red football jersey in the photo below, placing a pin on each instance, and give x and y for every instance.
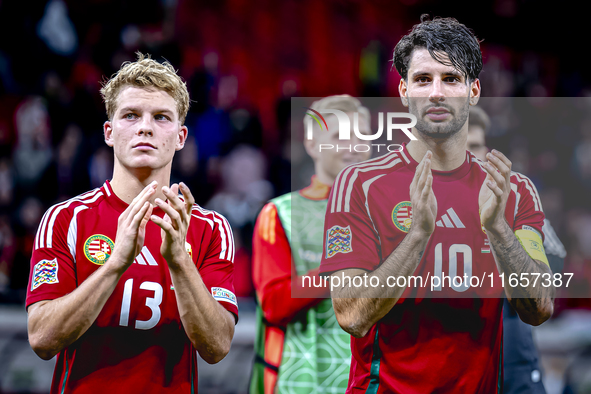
(445, 339)
(137, 344)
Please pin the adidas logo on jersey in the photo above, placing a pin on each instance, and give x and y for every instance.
(145, 258)
(450, 220)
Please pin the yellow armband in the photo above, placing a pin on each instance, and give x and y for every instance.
(533, 245)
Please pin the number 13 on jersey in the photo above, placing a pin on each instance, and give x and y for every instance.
(151, 302)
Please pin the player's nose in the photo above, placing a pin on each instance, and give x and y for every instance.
(145, 127)
(436, 94)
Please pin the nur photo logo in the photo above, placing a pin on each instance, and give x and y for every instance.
(392, 122)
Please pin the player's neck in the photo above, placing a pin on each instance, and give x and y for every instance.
(448, 153)
(127, 184)
(322, 175)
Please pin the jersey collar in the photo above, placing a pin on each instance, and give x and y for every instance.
(445, 176)
(316, 190)
(112, 198)
(118, 203)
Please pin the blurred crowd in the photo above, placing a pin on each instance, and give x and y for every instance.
(243, 61)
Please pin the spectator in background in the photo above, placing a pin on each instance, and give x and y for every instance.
(581, 160)
(6, 183)
(478, 125)
(522, 372)
(244, 188)
(299, 346)
(33, 153)
(243, 192)
(7, 250)
(24, 225)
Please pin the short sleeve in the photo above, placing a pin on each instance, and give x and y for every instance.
(350, 239)
(52, 272)
(217, 269)
(529, 214)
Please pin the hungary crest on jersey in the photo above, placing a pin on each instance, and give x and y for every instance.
(402, 216)
(98, 249)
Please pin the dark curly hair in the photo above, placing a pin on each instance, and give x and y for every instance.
(441, 35)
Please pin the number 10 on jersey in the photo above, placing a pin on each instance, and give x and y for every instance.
(457, 282)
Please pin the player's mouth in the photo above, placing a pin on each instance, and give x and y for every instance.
(438, 114)
(144, 146)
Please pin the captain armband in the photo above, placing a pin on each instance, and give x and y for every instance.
(533, 245)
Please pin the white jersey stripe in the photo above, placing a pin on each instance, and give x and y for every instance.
(454, 218)
(368, 183)
(223, 236)
(447, 222)
(529, 188)
(342, 177)
(230, 238)
(335, 186)
(223, 226)
(73, 231)
(224, 245)
(48, 241)
(365, 188)
(106, 186)
(536, 195)
(347, 207)
(40, 241)
(233, 245)
(404, 157)
(531, 192)
(517, 198)
(205, 219)
(226, 227)
(355, 169)
(231, 241)
(344, 181)
(148, 256)
(480, 164)
(39, 229)
(45, 241)
(140, 259)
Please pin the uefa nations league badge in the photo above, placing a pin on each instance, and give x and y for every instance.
(98, 249)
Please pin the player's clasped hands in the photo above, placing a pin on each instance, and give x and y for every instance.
(422, 198)
(494, 193)
(131, 227)
(175, 222)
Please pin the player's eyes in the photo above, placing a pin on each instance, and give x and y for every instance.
(452, 79)
(422, 80)
(161, 117)
(130, 116)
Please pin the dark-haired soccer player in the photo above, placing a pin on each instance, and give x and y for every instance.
(125, 292)
(433, 210)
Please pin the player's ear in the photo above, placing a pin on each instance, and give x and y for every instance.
(402, 90)
(108, 131)
(181, 137)
(474, 91)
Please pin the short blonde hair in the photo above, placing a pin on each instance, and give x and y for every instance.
(342, 102)
(146, 73)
